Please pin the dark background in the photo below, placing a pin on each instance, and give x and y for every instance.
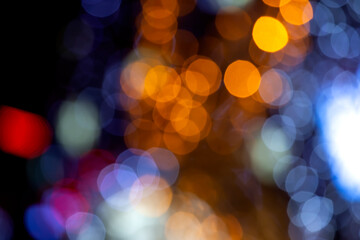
(29, 79)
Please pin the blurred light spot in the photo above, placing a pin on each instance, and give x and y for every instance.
(142, 165)
(6, 226)
(115, 184)
(158, 17)
(225, 20)
(242, 78)
(316, 213)
(300, 232)
(156, 199)
(263, 161)
(162, 83)
(43, 222)
(100, 8)
(190, 123)
(132, 79)
(282, 168)
(159, 23)
(301, 183)
(183, 225)
(203, 76)
(275, 88)
(340, 117)
(66, 202)
(297, 12)
(340, 42)
(22, 133)
(77, 126)
(131, 224)
(278, 133)
(269, 34)
(85, 226)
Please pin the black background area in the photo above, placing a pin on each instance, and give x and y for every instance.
(29, 78)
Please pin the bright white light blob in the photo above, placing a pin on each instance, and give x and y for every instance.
(131, 224)
(340, 123)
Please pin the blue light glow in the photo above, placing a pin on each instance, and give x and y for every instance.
(339, 114)
(101, 8)
(43, 222)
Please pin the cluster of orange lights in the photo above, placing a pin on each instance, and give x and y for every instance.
(176, 98)
(167, 89)
(168, 109)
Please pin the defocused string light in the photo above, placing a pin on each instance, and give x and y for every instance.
(22, 133)
(269, 34)
(296, 12)
(242, 78)
(186, 130)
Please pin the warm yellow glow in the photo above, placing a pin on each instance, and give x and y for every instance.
(156, 199)
(203, 76)
(132, 79)
(242, 78)
(269, 34)
(162, 83)
(297, 12)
